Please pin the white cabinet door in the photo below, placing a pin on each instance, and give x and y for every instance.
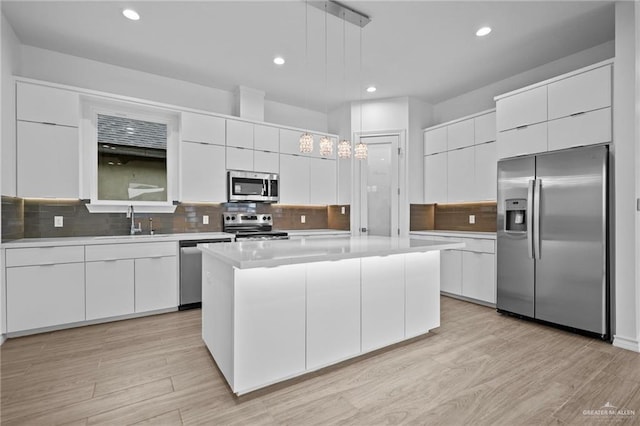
(47, 104)
(583, 129)
(240, 134)
(382, 301)
(451, 271)
(460, 174)
(266, 138)
(44, 296)
(203, 175)
(48, 163)
(239, 159)
(486, 175)
(580, 93)
(521, 109)
(290, 141)
(202, 128)
(266, 161)
(485, 128)
(435, 140)
(294, 179)
(527, 140)
(478, 276)
(333, 311)
(435, 178)
(109, 287)
(156, 283)
(422, 292)
(269, 322)
(460, 134)
(322, 181)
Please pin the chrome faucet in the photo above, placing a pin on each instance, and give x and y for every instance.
(130, 213)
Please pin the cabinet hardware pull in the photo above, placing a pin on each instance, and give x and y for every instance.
(575, 114)
(524, 126)
(49, 123)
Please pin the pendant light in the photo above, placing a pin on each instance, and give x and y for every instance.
(360, 151)
(326, 144)
(344, 147)
(306, 139)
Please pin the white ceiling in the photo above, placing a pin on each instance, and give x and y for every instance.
(424, 49)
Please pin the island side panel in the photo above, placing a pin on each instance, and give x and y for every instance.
(270, 325)
(333, 312)
(217, 313)
(422, 292)
(382, 301)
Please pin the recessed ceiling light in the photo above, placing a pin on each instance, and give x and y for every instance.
(131, 14)
(278, 60)
(371, 89)
(483, 31)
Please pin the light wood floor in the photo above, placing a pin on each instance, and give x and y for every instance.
(478, 368)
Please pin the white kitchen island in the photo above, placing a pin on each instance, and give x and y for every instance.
(273, 310)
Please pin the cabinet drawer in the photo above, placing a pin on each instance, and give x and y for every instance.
(479, 245)
(527, 140)
(583, 129)
(580, 93)
(435, 140)
(460, 134)
(522, 109)
(130, 251)
(485, 128)
(44, 255)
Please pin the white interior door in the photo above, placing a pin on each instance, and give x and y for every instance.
(379, 183)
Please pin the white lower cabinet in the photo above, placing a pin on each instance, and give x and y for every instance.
(109, 288)
(383, 301)
(155, 283)
(269, 325)
(478, 276)
(333, 312)
(203, 174)
(422, 303)
(451, 271)
(44, 295)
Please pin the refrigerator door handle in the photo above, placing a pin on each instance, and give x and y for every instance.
(530, 218)
(536, 218)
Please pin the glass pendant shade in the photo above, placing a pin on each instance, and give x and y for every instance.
(361, 151)
(326, 146)
(344, 149)
(306, 143)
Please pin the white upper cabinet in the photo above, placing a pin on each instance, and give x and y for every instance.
(322, 181)
(460, 134)
(435, 140)
(266, 162)
(202, 128)
(239, 134)
(290, 141)
(47, 105)
(486, 174)
(239, 159)
(460, 175)
(580, 93)
(203, 174)
(435, 178)
(522, 109)
(294, 179)
(266, 138)
(583, 129)
(485, 128)
(48, 163)
(527, 140)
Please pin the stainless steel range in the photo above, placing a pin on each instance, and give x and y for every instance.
(251, 226)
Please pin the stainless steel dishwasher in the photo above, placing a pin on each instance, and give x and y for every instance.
(191, 272)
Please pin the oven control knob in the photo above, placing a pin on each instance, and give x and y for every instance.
(264, 218)
(268, 217)
(227, 218)
(233, 218)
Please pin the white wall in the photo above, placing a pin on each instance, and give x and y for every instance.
(624, 156)
(10, 66)
(482, 99)
(289, 115)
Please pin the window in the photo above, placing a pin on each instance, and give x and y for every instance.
(130, 150)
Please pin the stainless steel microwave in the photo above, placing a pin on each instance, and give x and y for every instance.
(252, 186)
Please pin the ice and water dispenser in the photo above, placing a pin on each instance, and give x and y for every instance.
(515, 215)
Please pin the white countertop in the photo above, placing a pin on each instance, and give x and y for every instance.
(314, 232)
(256, 254)
(458, 234)
(113, 239)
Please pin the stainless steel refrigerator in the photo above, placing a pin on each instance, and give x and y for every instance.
(552, 251)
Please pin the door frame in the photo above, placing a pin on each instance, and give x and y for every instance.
(403, 170)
